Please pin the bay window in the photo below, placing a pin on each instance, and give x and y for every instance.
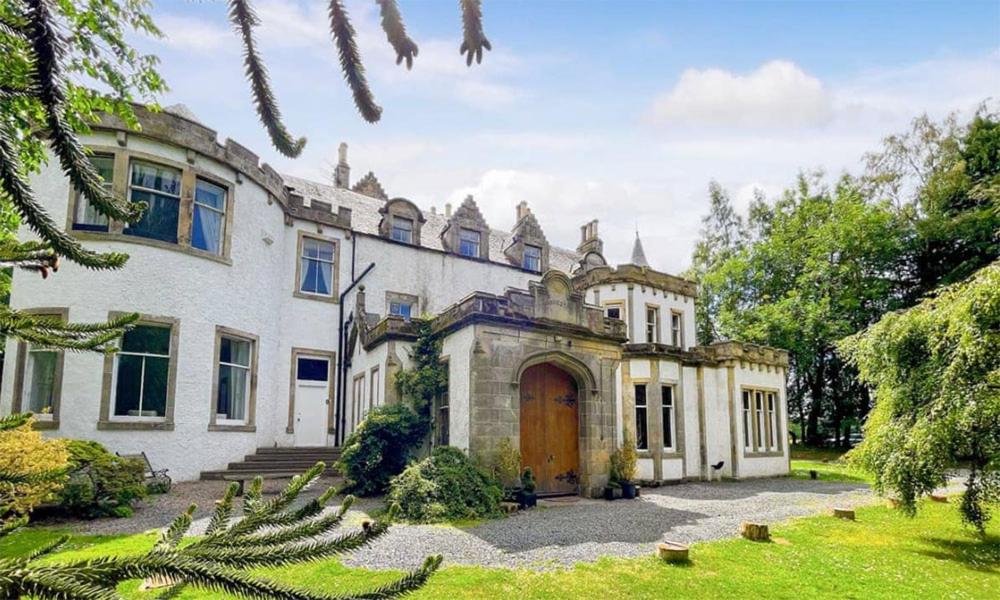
(160, 188)
(761, 427)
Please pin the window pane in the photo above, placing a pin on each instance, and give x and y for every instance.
(159, 222)
(532, 258)
(87, 217)
(234, 351)
(231, 403)
(154, 177)
(668, 416)
(402, 229)
(641, 425)
(469, 242)
(317, 249)
(402, 309)
(154, 387)
(210, 195)
(614, 312)
(312, 369)
(127, 388)
(147, 339)
(316, 277)
(206, 230)
(41, 372)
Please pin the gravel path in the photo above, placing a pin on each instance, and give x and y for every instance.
(556, 534)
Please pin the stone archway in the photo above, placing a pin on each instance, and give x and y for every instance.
(550, 428)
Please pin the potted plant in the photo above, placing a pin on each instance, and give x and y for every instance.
(628, 467)
(613, 490)
(527, 497)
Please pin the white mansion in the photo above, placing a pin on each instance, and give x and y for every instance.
(276, 313)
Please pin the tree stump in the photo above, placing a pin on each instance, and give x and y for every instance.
(939, 498)
(757, 532)
(844, 513)
(813, 474)
(672, 552)
(892, 503)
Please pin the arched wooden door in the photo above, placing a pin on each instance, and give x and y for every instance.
(550, 429)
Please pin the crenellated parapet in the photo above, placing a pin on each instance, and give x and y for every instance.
(752, 356)
(632, 274)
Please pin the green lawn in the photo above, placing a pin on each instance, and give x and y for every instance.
(882, 555)
(828, 463)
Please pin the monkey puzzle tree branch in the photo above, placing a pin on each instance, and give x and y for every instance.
(50, 332)
(350, 62)
(244, 19)
(395, 32)
(48, 49)
(472, 25)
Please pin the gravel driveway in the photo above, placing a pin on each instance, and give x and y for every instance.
(558, 533)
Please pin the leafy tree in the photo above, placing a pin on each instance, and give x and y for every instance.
(935, 371)
(270, 533)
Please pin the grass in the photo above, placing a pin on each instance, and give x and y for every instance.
(882, 555)
(828, 463)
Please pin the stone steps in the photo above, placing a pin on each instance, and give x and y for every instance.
(277, 462)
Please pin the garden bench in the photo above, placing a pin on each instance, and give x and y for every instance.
(242, 478)
(157, 479)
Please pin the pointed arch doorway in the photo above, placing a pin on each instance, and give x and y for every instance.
(550, 428)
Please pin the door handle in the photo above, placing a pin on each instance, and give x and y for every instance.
(551, 458)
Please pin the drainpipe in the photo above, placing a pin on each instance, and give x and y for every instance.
(341, 363)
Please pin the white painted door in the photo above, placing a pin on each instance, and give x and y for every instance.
(312, 399)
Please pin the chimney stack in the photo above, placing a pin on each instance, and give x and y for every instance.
(447, 210)
(522, 211)
(589, 241)
(342, 173)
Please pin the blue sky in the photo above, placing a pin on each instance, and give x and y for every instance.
(621, 111)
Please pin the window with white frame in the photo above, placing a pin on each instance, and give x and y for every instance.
(669, 419)
(373, 389)
(652, 324)
(40, 376)
(359, 398)
(400, 308)
(747, 427)
(613, 311)
(402, 229)
(468, 242)
(641, 418)
(160, 188)
(676, 339)
(235, 370)
(209, 219)
(532, 258)
(141, 373)
(86, 217)
(316, 267)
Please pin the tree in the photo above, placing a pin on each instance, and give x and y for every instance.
(270, 533)
(935, 371)
(57, 57)
(244, 20)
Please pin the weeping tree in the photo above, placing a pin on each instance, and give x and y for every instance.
(935, 372)
(245, 20)
(64, 64)
(270, 533)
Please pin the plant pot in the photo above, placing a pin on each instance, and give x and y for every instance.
(527, 499)
(612, 493)
(629, 491)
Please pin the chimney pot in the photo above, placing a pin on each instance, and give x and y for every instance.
(342, 172)
(522, 210)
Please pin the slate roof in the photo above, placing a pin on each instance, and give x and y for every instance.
(365, 219)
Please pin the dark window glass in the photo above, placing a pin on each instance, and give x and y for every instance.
(313, 369)
(87, 218)
(641, 425)
(209, 218)
(160, 188)
(614, 312)
(532, 258)
(668, 416)
(468, 243)
(147, 339)
(143, 370)
(402, 230)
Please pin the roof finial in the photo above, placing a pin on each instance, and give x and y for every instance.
(638, 254)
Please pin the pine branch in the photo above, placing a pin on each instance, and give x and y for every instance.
(350, 62)
(410, 582)
(7, 527)
(47, 548)
(48, 49)
(223, 510)
(302, 531)
(13, 421)
(472, 26)
(31, 256)
(49, 332)
(244, 19)
(395, 32)
(15, 189)
(172, 535)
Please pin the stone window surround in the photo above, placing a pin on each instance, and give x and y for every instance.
(331, 356)
(106, 421)
(401, 207)
(654, 406)
(750, 452)
(358, 384)
(374, 383)
(21, 364)
(335, 270)
(400, 297)
(251, 424)
(436, 406)
(680, 331)
(527, 232)
(120, 186)
(467, 216)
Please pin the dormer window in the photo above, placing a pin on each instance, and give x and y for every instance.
(469, 240)
(532, 258)
(402, 229)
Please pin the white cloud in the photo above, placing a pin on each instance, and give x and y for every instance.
(777, 94)
(193, 35)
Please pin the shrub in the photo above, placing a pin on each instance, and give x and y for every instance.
(100, 483)
(503, 464)
(624, 461)
(380, 448)
(34, 467)
(445, 486)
